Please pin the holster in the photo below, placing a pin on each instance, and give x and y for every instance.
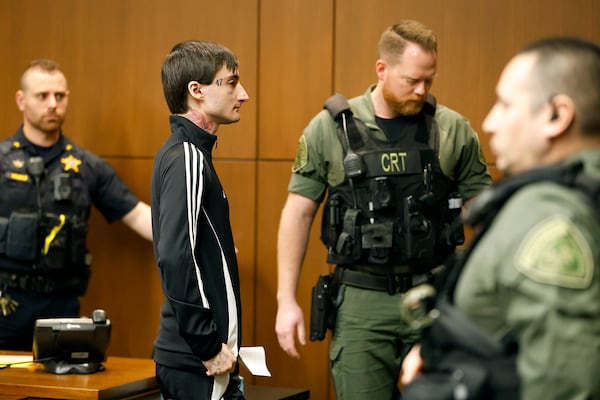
(322, 309)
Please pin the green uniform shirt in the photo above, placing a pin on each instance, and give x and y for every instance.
(319, 159)
(536, 273)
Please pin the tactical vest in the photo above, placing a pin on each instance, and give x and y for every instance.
(459, 356)
(44, 208)
(395, 206)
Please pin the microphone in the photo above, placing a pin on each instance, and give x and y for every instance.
(35, 166)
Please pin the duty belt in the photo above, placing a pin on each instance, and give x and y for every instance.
(40, 284)
(392, 283)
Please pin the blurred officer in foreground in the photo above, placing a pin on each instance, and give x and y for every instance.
(47, 187)
(518, 316)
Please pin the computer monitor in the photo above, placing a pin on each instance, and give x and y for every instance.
(72, 345)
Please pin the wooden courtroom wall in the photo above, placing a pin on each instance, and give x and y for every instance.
(293, 54)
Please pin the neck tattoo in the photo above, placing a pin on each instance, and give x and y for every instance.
(199, 120)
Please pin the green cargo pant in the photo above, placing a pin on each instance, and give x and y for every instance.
(369, 342)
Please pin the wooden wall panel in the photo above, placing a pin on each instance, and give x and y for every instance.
(312, 370)
(295, 78)
(293, 54)
(294, 70)
(125, 279)
(112, 52)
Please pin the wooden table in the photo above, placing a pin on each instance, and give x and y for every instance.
(124, 378)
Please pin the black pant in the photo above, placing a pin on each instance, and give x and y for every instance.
(178, 384)
(16, 329)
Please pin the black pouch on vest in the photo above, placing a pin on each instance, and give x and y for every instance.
(79, 251)
(22, 236)
(3, 233)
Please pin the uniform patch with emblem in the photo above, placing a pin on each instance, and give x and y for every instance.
(555, 252)
(301, 155)
(18, 163)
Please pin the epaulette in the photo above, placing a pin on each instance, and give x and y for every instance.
(5, 146)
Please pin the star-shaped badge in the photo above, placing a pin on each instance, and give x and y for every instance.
(71, 163)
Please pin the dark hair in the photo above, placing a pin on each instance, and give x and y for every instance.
(394, 39)
(570, 66)
(192, 60)
(40, 63)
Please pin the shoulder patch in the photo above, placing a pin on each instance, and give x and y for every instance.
(556, 253)
(301, 155)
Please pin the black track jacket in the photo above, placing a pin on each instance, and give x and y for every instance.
(194, 250)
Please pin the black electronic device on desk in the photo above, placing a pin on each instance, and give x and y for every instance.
(72, 345)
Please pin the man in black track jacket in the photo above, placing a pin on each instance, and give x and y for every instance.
(198, 340)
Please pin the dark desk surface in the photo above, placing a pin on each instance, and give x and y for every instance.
(275, 393)
(254, 393)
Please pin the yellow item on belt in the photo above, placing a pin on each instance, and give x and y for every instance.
(53, 233)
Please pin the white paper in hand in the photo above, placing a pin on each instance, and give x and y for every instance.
(255, 360)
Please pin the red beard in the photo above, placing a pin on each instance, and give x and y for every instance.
(402, 107)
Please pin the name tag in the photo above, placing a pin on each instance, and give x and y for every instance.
(15, 176)
(397, 162)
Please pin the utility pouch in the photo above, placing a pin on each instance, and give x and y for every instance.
(453, 233)
(349, 241)
(79, 254)
(321, 309)
(418, 235)
(22, 236)
(378, 238)
(3, 233)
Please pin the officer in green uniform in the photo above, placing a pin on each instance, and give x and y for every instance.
(529, 286)
(388, 188)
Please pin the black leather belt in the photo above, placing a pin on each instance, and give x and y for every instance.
(41, 284)
(392, 283)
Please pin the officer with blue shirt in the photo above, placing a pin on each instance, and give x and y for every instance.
(47, 187)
